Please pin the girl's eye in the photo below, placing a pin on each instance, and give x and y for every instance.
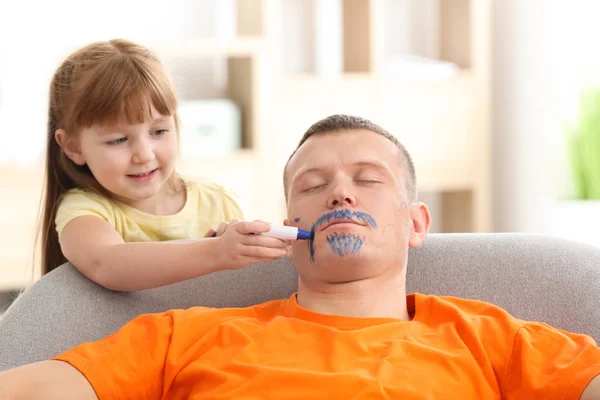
(117, 141)
(160, 132)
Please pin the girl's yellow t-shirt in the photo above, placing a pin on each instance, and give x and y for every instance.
(207, 205)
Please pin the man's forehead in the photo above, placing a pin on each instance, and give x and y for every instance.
(360, 147)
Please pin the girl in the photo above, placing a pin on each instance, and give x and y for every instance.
(113, 202)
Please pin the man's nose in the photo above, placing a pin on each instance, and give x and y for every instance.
(341, 197)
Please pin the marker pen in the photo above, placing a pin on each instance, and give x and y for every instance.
(284, 233)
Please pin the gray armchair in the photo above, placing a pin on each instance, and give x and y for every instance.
(533, 277)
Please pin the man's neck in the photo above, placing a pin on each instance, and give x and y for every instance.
(366, 298)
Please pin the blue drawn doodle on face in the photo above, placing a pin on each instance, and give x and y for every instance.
(338, 214)
(345, 243)
(345, 214)
(311, 245)
(297, 219)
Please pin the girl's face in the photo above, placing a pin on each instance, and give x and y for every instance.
(132, 161)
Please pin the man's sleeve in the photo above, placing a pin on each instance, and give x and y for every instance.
(129, 363)
(549, 363)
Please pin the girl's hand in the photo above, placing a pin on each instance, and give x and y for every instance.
(238, 245)
(221, 229)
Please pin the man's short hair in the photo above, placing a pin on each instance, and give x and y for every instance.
(338, 123)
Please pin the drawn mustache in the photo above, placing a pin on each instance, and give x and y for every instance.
(343, 214)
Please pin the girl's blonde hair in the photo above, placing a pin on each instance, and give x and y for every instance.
(102, 83)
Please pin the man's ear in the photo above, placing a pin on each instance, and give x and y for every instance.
(421, 221)
(70, 146)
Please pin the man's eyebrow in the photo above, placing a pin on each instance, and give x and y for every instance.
(304, 171)
(373, 163)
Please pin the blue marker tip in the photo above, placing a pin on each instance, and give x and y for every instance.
(304, 235)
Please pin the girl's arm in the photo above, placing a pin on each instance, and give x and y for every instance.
(95, 248)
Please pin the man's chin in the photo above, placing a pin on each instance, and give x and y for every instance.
(338, 244)
(334, 261)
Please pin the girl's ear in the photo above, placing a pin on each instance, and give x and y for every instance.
(70, 146)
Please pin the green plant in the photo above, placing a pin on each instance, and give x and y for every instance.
(584, 147)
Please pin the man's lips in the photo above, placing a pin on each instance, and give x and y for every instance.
(341, 221)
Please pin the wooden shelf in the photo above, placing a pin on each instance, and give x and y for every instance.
(239, 79)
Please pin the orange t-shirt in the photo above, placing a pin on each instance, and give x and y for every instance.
(452, 348)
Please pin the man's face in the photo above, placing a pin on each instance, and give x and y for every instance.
(349, 189)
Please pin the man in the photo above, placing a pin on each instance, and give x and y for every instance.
(350, 331)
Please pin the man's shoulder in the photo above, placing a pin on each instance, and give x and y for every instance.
(477, 322)
(463, 308)
(461, 302)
